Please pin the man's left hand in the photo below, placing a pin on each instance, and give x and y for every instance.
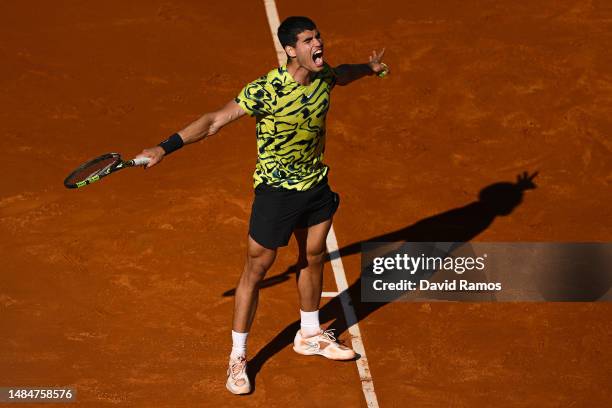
(375, 63)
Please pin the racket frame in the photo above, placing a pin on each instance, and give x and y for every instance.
(102, 172)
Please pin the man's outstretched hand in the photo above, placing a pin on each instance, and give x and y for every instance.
(155, 154)
(347, 73)
(376, 63)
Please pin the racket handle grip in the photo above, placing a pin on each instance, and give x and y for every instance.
(141, 161)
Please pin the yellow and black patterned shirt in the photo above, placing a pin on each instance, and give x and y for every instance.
(290, 127)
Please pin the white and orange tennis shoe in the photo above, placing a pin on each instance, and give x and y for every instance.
(323, 344)
(237, 380)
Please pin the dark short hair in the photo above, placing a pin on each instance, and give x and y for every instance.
(291, 27)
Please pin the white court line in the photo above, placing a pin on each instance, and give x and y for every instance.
(351, 319)
(274, 22)
(329, 294)
(332, 248)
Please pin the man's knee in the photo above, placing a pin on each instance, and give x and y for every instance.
(259, 260)
(256, 267)
(315, 257)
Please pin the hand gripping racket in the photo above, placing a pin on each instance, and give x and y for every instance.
(99, 167)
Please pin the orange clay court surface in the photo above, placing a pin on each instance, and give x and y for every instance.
(123, 289)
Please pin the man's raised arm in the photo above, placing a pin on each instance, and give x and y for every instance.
(207, 125)
(347, 73)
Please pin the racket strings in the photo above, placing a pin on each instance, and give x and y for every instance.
(93, 169)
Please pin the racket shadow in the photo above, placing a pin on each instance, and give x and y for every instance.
(271, 281)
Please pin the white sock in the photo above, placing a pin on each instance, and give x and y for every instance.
(309, 324)
(238, 344)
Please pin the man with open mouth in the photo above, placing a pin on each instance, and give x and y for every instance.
(292, 195)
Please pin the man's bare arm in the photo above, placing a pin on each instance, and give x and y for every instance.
(347, 73)
(207, 125)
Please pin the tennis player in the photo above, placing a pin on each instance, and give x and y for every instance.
(292, 194)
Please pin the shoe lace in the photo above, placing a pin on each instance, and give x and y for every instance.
(329, 334)
(237, 367)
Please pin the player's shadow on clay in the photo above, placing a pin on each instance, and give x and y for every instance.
(457, 225)
(460, 224)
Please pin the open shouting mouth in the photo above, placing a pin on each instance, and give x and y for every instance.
(317, 57)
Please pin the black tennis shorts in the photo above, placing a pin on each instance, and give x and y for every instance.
(276, 212)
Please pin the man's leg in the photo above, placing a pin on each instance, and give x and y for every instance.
(311, 243)
(259, 259)
(310, 339)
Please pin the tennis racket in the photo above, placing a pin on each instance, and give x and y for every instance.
(99, 167)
